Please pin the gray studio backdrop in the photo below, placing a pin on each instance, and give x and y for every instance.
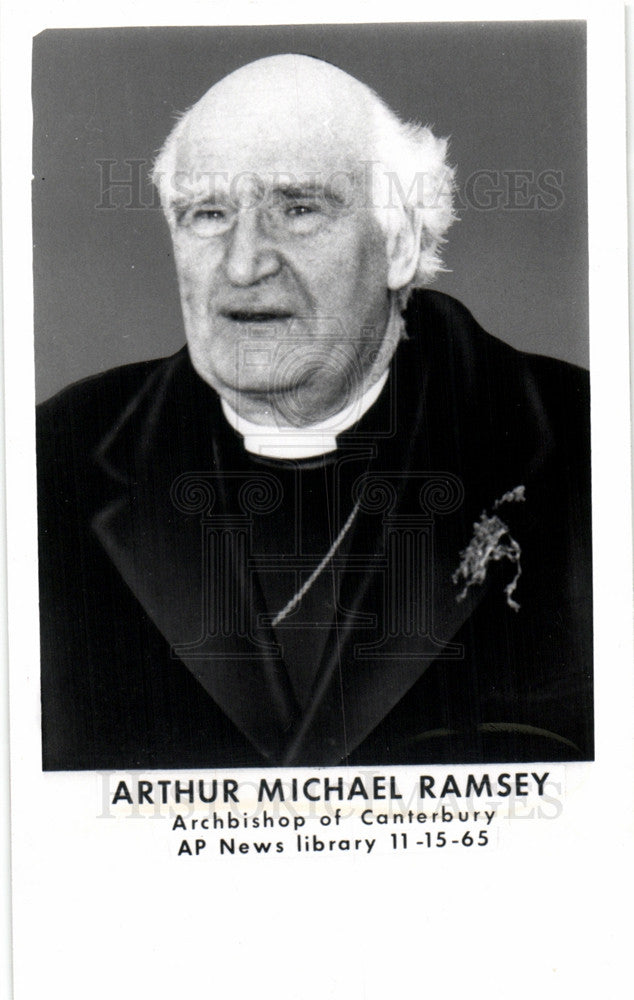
(511, 97)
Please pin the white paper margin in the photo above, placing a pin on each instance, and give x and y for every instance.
(99, 912)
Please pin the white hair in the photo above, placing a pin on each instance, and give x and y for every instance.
(410, 183)
(413, 184)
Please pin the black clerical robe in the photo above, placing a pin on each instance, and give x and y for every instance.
(166, 552)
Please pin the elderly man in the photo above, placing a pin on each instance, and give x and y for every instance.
(344, 525)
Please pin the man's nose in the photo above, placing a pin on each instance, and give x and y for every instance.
(250, 256)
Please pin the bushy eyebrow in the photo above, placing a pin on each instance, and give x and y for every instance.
(295, 192)
(291, 191)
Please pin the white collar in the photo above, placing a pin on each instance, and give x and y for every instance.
(271, 441)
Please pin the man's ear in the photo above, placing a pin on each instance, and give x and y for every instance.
(403, 250)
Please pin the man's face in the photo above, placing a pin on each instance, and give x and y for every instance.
(281, 263)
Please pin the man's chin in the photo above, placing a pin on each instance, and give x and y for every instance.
(254, 385)
(255, 388)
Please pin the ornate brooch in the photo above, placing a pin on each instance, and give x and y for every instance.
(491, 542)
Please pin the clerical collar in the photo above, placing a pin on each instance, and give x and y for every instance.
(302, 442)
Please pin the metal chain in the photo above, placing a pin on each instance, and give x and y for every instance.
(294, 601)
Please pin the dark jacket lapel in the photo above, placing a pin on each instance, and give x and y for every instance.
(165, 554)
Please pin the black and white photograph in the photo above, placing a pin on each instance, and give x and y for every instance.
(318, 500)
(319, 490)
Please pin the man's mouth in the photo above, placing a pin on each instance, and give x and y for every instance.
(256, 315)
